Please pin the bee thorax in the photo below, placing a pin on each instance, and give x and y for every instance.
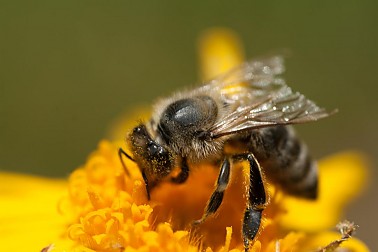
(184, 126)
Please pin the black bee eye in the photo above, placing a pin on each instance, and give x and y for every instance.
(153, 148)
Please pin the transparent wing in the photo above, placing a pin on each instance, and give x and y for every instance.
(261, 74)
(280, 108)
(255, 96)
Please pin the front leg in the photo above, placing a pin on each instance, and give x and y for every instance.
(257, 200)
(147, 184)
(217, 196)
(181, 178)
(184, 173)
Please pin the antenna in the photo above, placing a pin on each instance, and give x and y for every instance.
(120, 153)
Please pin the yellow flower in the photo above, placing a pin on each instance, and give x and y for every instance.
(101, 209)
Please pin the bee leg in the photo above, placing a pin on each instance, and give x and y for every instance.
(184, 173)
(256, 201)
(216, 198)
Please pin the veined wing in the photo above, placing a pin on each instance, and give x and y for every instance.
(257, 97)
(279, 108)
(261, 73)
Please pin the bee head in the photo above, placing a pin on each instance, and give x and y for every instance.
(153, 159)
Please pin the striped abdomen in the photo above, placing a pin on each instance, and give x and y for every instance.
(285, 159)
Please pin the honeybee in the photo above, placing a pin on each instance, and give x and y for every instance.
(248, 110)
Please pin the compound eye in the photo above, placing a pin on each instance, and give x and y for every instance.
(153, 148)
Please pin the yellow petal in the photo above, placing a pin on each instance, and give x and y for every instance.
(341, 178)
(29, 214)
(287, 243)
(219, 50)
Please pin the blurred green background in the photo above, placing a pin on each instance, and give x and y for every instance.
(69, 68)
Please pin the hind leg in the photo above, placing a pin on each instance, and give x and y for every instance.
(257, 200)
